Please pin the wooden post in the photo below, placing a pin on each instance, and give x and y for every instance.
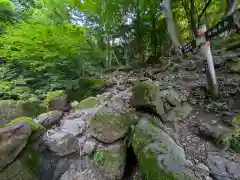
(205, 51)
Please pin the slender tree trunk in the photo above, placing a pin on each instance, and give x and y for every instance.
(192, 18)
(171, 27)
(231, 4)
(153, 34)
(139, 34)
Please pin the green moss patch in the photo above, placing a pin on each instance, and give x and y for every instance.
(109, 127)
(111, 160)
(90, 102)
(37, 129)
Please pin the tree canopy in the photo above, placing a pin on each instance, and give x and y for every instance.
(54, 44)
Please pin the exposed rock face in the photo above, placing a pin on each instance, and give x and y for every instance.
(49, 118)
(13, 139)
(61, 143)
(222, 168)
(158, 155)
(111, 159)
(74, 126)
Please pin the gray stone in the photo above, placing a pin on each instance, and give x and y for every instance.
(208, 178)
(172, 96)
(218, 166)
(61, 143)
(89, 146)
(180, 112)
(204, 170)
(49, 118)
(233, 169)
(74, 104)
(13, 139)
(165, 158)
(74, 126)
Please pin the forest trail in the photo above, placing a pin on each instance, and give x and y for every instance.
(209, 119)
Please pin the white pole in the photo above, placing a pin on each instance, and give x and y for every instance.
(205, 51)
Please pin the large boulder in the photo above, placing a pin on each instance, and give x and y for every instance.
(111, 160)
(49, 118)
(13, 139)
(25, 167)
(56, 100)
(10, 109)
(74, 126)
(37, 129)
(61, 143)
(108, 126)
(147, 95)
(158, 155)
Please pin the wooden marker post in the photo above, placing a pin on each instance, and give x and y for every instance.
(205, 51)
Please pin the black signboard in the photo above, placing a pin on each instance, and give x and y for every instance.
(189, 47)
(219, 28)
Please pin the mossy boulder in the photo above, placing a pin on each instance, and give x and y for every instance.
(56, 100)
(36, 129)
(10, 109)
(90, 102)
(107, 126)
(13, 138)
(234, 65)
(159, 157)
(147, 95)
(111, 160)
(25, 167)
(49, 118)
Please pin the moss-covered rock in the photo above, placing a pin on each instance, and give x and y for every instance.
(56, 100)
(148, 95)
(109, 127)
(234, 65)
(49, 118)
(111, 159)
(36, 128)
(25, 167)
(90, 102)
(159, 157)
(13, 138)
(10, 109)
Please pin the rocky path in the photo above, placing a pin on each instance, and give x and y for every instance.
(197, 132)
(150, 123)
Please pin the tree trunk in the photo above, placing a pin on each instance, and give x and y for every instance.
(171, 27)
(192, 18)
(231, 5)
(153, 34)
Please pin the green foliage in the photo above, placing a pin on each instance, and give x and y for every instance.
(99, 157)
(232, 141)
